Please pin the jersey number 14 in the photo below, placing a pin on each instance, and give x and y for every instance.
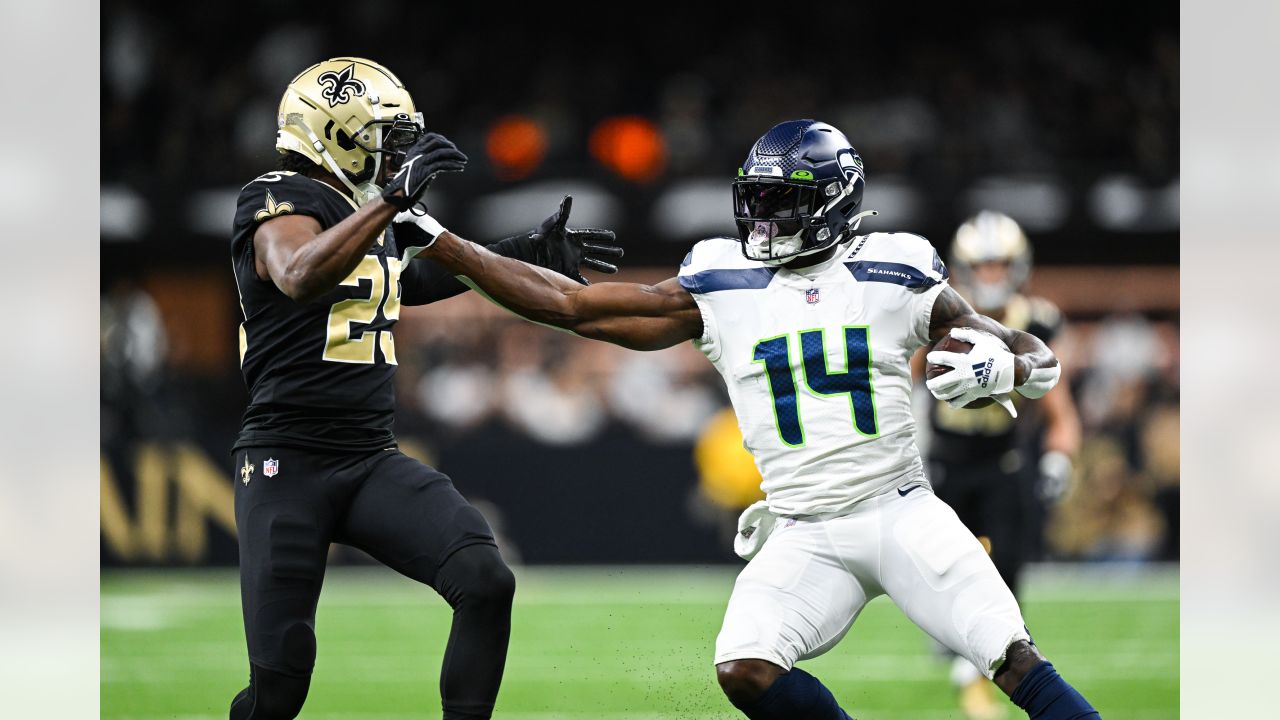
(854, 381)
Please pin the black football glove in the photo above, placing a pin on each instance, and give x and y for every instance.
(431, 154)
(565, 251)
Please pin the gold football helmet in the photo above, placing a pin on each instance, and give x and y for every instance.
(350, 116)
(990, 237)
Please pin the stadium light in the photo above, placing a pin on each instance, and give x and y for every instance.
(630, 146)
(516, 146)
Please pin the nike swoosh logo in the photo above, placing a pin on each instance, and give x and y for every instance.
(905, 491)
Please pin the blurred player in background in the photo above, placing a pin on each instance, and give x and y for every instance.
(995, 472)
(812, 326)
(322, 251)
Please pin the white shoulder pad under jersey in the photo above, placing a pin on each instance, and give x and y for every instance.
(816, 361)
(716, 265)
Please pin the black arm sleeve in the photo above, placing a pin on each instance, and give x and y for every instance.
(424, 281)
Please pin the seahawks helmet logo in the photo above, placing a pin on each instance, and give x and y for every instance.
(850, 164)
(339, 86)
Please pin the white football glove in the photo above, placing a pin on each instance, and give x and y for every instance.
(985, 371)
(412, 243)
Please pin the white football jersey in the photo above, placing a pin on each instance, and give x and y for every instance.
(817, 362)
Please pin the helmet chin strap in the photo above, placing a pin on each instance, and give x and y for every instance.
(849, 228)
(371, 188)
(362, 193)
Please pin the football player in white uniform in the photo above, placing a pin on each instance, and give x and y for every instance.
(812, 327)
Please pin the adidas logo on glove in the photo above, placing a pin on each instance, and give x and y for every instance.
(982, 371)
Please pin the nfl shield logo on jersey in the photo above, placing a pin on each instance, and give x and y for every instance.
(270, 467)
(811, 296)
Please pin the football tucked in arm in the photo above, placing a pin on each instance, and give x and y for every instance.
(933, 370)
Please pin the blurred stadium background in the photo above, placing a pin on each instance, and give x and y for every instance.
(575, 451)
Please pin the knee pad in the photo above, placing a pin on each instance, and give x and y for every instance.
(289, 645)
(476, 574)
(270, 696)
(299, 644)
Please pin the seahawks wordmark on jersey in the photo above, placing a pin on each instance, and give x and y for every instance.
(817, 362)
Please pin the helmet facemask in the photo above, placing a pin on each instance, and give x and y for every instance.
(385, 140)
(771, 214)
(991, 296)
(779, 219)
(388, 141)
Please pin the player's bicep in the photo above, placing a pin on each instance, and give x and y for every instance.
(276, 240)
(950, 310)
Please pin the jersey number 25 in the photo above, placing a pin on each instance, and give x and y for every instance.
(345, 341)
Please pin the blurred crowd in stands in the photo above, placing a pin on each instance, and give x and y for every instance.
(1057, 106)
(1010, 94)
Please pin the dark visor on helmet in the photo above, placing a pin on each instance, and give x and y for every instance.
(771, 200)
(398, 133)
(399, 138)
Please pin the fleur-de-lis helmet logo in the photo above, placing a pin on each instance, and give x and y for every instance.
(339, 86)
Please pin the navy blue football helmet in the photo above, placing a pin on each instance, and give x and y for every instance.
(798, 192)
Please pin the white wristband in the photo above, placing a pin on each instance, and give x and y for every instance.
(1040, 382)
(426, 223)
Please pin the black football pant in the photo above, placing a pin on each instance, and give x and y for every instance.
(994, 504)
(403, 513)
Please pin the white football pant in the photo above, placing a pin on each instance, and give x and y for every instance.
(799, 596)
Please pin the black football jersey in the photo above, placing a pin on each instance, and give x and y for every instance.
(986, 434)
(319, 373)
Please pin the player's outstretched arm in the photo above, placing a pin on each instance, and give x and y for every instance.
(1032, 369)
(635, 316)
(552, 245)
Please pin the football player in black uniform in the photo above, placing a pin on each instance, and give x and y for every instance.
(323, 260)
(997, 473)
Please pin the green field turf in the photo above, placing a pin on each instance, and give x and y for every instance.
(609, 643)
